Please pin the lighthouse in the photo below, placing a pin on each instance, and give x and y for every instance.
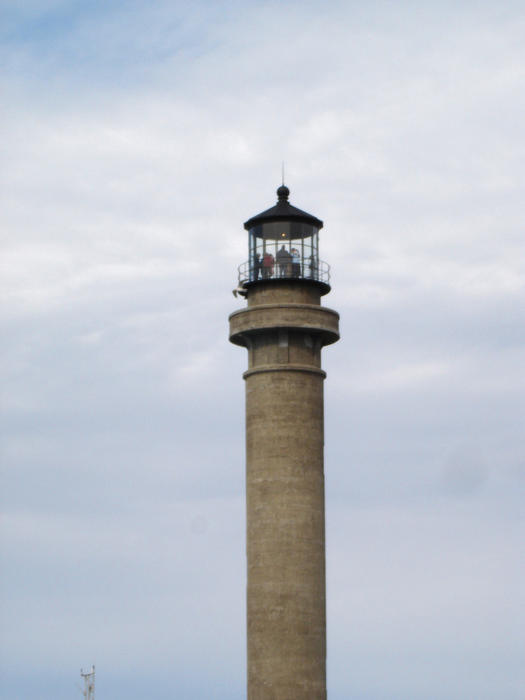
(284, 327)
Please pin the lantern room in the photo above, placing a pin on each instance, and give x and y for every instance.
(283, 243)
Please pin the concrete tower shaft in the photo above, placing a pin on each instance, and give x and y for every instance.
(284, 328)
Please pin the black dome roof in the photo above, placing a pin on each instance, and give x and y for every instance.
(283, 211)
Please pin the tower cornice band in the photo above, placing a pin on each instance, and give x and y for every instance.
(284, 368)
(313, 318)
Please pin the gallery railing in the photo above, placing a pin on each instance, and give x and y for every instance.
(306, 270)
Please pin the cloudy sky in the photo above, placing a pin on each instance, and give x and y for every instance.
(137, 137)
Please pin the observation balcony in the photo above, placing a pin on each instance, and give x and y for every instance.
(309, 269)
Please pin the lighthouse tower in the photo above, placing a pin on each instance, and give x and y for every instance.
(284, 328)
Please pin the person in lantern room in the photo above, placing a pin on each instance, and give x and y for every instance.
(257, 263)
(284, 260)
(296, 263)
(267, 265)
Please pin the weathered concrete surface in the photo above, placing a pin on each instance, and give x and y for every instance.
(284, 328)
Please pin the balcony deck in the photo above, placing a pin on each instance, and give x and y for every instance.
(304, 270)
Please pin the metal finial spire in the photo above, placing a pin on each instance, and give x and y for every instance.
(282, 171)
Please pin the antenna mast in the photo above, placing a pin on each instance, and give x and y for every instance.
(89, 683)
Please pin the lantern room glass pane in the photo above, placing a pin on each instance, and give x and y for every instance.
(280, 249)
